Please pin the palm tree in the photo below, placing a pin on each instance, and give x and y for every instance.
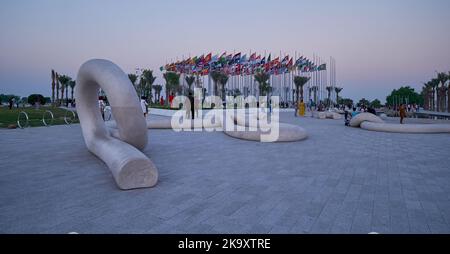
(337, 90)
(299, 82)
(215, 76)
(442, 79)
(53, 86)
(315, 89)
(427, 93)
(310, 89)
(72, 84)
(190, 80)
(149, 80)
(448, 93)
(329, 90)
(157, 89)
(133, 78)
(172, 83)
(57, 88)
(262, 78)
(64, 79)
(435, 85)
(223, 81)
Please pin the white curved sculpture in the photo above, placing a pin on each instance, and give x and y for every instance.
(372, 122)
(118, 148)
(326, 115)
(406, 128)
(361, 117)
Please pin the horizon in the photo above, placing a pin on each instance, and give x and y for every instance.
(378, 47)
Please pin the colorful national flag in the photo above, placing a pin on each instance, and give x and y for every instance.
(207, 58)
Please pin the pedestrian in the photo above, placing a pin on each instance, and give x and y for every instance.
(101, 105)
(402, 112)
(196, 105)
(11, 102)
(171, 97)
(144, 105)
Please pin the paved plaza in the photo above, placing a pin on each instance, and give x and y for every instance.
(339, 180)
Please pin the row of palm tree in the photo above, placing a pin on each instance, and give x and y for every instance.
(436, 93)
(145, 85)
(330, 89)
(301, 81)
(61, 84)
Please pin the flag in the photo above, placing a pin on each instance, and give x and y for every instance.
(299, 61)
(207, 58)
(200, 60)
(252, 57)
(285, 60)
(215, 58)
(243, 59)
(322, 67)
(269, 58)
(263, 61)
(290, 63)
(236, 58)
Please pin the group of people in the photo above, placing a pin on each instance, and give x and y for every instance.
(402, 110)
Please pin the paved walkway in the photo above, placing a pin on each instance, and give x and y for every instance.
(339, 180)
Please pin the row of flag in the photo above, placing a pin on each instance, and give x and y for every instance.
(239, 64)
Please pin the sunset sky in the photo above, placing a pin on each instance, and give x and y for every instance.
(378, 45)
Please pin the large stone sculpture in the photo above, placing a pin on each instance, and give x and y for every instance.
(119, 148)
(372, 122)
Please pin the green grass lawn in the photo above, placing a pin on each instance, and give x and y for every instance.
(8, 117)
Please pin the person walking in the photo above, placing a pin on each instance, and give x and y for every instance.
(144, 105)
(101, 105)
(402, 112)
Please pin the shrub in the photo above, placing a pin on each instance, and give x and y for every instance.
(33, 98)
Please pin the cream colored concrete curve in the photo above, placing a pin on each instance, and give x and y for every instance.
(118, 148)
(372, 122)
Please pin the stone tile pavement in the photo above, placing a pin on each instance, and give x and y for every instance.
(339, 180)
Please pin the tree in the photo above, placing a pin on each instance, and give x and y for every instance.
(133, 78)
(220, 79)
(157, 89)
(448, 93)
(329, 90)
(338, 90)
(190, 80)
(375, 103)
(262, 78)
(223, 79)
(172, 83)
(64, 79)
(72, 84)
(441, 79)
(435, 85)
(57, 88)
(149, 80)
(53, 85)
(404, 95)
(314, 89)
(215, 76)
(363, 102)
(299, 82)
(34, 98)
(346, 101)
